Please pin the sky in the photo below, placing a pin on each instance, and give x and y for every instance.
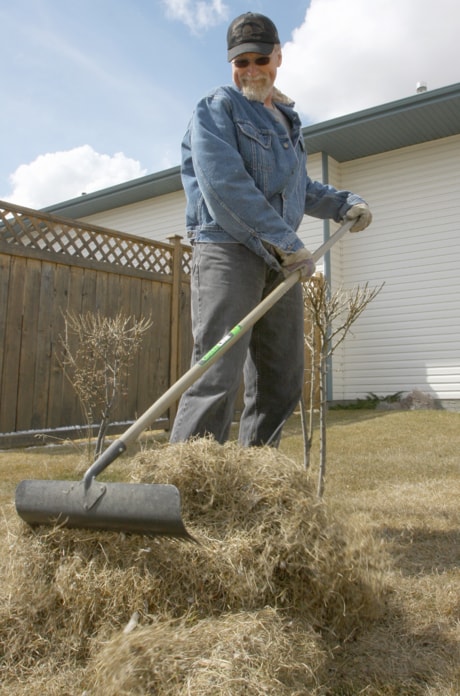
(99, 92)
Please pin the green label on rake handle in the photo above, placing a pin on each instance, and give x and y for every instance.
(223, 342)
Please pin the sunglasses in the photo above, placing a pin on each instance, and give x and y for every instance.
(245, 62)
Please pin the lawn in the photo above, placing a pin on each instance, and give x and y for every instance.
(399, 474)
(392, 491)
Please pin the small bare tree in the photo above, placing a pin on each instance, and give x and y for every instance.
(97, 355)
(331, 317)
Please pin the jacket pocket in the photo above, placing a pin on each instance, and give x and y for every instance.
(255, 146)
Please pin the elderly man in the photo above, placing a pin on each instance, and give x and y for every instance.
(247, 190)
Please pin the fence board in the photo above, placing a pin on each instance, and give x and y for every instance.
(42, 354)
(13, 329)
(57, 302)
(32, 279)
(5, 264)
(155, 355)
(78, 293)
(131, 305)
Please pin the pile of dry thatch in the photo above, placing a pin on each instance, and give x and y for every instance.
(250, 608)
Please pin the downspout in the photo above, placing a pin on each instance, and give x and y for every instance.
(327, 271)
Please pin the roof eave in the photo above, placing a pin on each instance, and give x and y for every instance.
(127, 193)
(409, 121)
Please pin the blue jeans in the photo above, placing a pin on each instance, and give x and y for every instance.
(228, 281)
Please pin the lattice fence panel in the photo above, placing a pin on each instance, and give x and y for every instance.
(25, 228)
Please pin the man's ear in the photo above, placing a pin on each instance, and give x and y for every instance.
(280, 56)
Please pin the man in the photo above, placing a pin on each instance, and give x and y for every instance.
(247, 189)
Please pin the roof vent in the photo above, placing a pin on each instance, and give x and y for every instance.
(421, 87)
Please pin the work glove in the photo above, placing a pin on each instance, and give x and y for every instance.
(362, 214)
(299, 260)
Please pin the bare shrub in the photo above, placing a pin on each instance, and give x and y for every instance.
(98, 352)
(331, 317)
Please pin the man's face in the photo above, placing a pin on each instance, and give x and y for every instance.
(254, 79)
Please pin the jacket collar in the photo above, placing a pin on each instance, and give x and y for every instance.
(281, 98)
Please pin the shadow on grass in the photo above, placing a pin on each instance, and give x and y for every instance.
(423, 551)
(406, 653)
(394, 658)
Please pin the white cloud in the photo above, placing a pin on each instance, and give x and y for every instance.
(354, 54)
(58, 176)
(197, 14)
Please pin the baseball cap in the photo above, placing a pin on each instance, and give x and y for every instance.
(251, 33)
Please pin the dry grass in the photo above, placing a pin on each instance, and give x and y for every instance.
(284, 595)
(399, 473)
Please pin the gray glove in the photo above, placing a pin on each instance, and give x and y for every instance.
(362, 214)
(299, 260)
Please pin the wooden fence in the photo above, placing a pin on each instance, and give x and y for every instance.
(50, 266)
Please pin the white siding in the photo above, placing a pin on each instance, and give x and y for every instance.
(311, 229)
(409, 336)
(155, 218)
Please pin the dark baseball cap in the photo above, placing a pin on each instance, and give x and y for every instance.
(251, 33)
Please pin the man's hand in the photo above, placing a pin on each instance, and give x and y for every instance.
(299, 260)
(362, 214)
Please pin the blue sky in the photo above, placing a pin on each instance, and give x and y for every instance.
(100, 91)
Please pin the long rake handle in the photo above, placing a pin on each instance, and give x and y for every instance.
(191, 376)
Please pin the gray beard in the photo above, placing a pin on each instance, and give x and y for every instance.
(256, 91)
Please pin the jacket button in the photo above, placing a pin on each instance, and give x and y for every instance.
(286, 145)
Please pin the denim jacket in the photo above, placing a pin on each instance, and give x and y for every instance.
(245, 176)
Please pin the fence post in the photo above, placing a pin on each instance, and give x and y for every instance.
(174, 361)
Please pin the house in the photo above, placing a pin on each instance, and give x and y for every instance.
(404, 159)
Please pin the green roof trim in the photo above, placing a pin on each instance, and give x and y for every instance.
(129, 192)
(417, 119)
(410, 121)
